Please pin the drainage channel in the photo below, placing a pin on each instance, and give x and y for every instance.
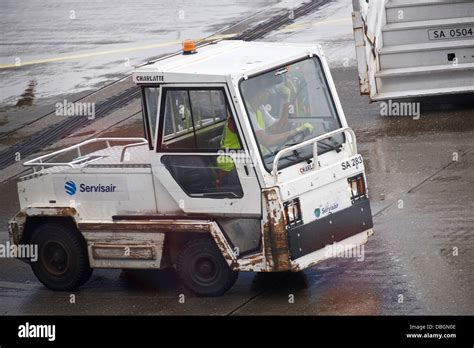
(276, 22)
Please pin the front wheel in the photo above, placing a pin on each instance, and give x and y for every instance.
(63, 262)
(203, 269)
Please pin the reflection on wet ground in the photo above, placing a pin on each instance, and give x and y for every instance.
(445, 114)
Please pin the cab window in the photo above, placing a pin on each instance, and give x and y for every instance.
(193, 119)
(198, 120)
(293, 97)
(150, 97)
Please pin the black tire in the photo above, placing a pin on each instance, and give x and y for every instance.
(63, 263)
(203, 269)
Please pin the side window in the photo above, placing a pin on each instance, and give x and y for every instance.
(178, 131)
(194, 119)
(199, 120)
(203, 177)
(151, 97)
(210, 113)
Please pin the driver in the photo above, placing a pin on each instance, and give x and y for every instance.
(269, 130)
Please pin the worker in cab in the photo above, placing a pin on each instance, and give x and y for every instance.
(271, 131)
(226, 173)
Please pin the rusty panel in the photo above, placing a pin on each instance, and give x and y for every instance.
(51, 211)
(123, 252)
(17, 223)
(224, 247)
(274, 233)
(143, 226)
(16, 227)
(252, 263)
(360, 48)
(115, 249)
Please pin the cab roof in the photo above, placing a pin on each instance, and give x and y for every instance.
(216, 61)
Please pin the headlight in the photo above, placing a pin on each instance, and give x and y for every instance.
(293, 212)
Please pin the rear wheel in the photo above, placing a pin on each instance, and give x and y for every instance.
(203, 269)
(62, 257)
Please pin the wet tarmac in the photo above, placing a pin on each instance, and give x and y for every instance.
(411, 254)
(420, 260)
(110, 37)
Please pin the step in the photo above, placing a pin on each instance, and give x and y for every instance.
(456, 77)
(411, 10)
(426, 54)
(398, 3)
(421, 93)
(423, 70)
(428, 31)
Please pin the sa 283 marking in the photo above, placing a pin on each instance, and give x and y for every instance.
(353, 162)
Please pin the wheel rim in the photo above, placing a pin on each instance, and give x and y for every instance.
(205, 270)
(55, 258)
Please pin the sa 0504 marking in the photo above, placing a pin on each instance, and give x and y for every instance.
(354, 162)
(451, 33)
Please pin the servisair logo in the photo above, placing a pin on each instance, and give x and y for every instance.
(71, 188)
(92, 188)
(323, 211)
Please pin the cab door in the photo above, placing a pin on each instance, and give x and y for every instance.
(201, 159)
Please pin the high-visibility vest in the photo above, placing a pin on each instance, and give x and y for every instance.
(261, 124)
(230, 141)
(260, 121)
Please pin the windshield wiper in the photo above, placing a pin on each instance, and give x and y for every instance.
(295, 153)
(330, 147)
(325, 146)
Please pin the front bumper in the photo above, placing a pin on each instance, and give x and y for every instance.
(336, 227)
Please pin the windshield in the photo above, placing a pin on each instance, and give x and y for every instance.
(289, 105)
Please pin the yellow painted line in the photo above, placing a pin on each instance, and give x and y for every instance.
(103, 53)
(290, 27)
(293, 27)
